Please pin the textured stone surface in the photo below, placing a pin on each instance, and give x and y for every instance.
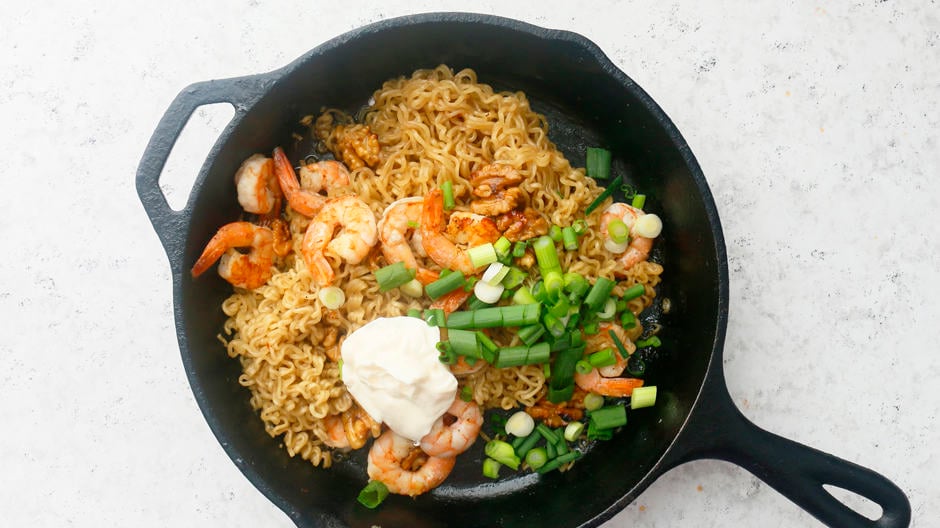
(816, 126)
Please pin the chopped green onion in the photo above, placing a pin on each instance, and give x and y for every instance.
(445, 284)
(530, 334)
(554, 233)
(514, 277)
(598, 163)
(599, 293)
(520, 424)
(547, 433)
(486, 343)
(562, 445)
(554, 282)
(489, 293)
(393, 276)
(609, 417)
(619, 344)
(539, 291)
(332, 297)
(643, 397)
(447, 354)
(471, 282)
(550, 450)
(547, 370)
(593, 433)
(517, 442)
(474, 303)
(502, 246)
(574, 319)
(560, 308)
(482, 255)
(602, 358)
(591, 328)
(553, 324)
(603, 196)
(583, 367)
(618, 231)
(435, 317)
(464, 342)
(573, 431)
(559, 461)
(524, 296)
(466, 393)
(373, 494)
(448, 189)
(652, 341)
(412, 288)
(563, 368)
(614, 247)
(576, 283)
(546, 254)
(413, 225)
(627, 319)
(593, 401)
(633, 292)
(621, 305)
(414, 312)
(461, 320)
(538, 353)
(528, 444)
(520, 315)
(491, 468)
(503, 453)
(495, 273)
(536, 458)
(579, 226)
(639, 200)
(522, 355)
(648, 226)
(609, 311)
(570, 238)
(636, 367)
(560, 395)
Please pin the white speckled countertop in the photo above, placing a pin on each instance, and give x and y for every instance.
(816, 124)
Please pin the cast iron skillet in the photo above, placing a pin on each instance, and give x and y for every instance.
(588, 101)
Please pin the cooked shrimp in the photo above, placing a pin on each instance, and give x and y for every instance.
(304, 202)
(639, 248)
(257, 188)
(455, 431)
(604, 380)
(357, 234)
(323, 176)
(397, 228)
(439, 248)
(335, 432)
(388, 455)
(471, 229)
(243, 270)
(449, 302)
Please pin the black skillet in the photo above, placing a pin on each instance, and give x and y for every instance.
(588, 101)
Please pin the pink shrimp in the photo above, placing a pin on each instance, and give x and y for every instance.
(257, 187)
(392, 461)
(397, 230)
(455, 431)
(320, 176)
(605, 380)
(249, 270)
(356, 236)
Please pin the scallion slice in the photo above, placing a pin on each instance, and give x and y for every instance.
(495, 273)
(448, 190)
(554, 233)
(536, 458)
(524, 296)
(531, 334)
(559, 461)
(573, 431)
(520, 424)
(583, 367)
(466, 393)
(614, 247)
(602, 358)
(502, 246)
(643, 397)
(491, 468)
(609, 311)
(489, 293)
(593, 401)
(546, 254)
(609, 417)
(603, 196)
(393, 276)
(619, 344)
(569, 238)
(528, 444)
(579, 226)
(332, 297)
(373, 494)
(576, 283)
(445, 284)
(639, 200)
(514, 277)
(618, 231)
(598, 163)
(599, 293)
(482, 255)
(518, 249)
(503, 453)
(648, 226)
(633, 292)
(554, 283)
(464, 342)
(412, 288)
(627, 319)
(652, 341)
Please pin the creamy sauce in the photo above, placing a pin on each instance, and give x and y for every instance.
(391, 368)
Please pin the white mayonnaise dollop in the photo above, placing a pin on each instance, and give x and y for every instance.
(391, 367)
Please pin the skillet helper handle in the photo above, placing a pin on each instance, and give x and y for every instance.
(797, 471)
(241, 92)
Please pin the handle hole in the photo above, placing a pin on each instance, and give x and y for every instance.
(191, 150)
(862, 505)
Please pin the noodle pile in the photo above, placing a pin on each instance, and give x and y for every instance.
(435, 126)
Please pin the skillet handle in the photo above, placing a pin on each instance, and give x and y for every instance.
(241, 92)
(718, 430)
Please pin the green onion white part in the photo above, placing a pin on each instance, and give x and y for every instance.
(520, 424)
(332, 297)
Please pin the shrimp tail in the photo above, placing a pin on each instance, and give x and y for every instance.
(305, 203)
(236, 234)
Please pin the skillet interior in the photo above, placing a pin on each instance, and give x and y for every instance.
(587, 102)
